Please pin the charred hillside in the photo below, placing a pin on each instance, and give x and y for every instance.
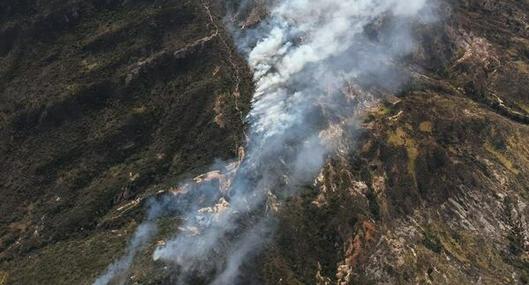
(105, 104)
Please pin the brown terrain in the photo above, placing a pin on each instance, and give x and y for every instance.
(106, 103)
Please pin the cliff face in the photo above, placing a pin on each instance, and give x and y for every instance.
(103, 104)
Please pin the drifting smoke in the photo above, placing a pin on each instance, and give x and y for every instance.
(117, 271)
(141, 237)
(310, 59)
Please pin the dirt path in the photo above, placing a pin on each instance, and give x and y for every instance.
(236, 93)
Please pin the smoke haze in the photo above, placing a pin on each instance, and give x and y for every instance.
(310, 59)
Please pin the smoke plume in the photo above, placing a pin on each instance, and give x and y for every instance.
(314, 64)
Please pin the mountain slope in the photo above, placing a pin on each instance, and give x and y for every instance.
(437, 188)
(103, 104)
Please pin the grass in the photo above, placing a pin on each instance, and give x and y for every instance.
(400, 138)
(3, 277)
(425, 127)
(501, 158)
(432, 242)
(69, 262)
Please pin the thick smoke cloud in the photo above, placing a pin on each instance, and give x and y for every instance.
(310, 59)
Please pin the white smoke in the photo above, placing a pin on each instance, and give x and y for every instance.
(302, 56)
(120, 268)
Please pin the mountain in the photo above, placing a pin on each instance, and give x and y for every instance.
(105, 104)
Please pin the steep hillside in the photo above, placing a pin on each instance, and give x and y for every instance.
(103, 103)
(106, 103)
(436, 191)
